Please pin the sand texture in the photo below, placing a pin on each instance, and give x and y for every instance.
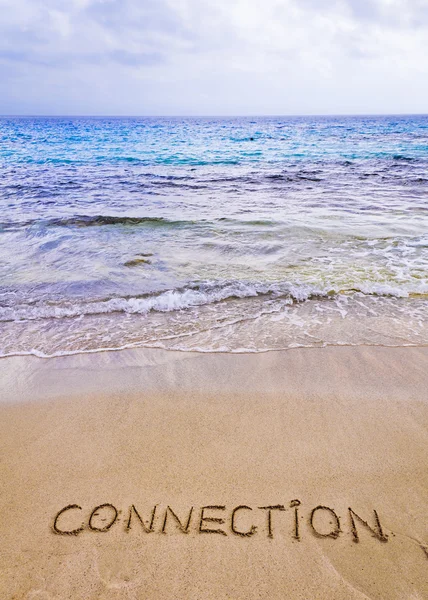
(186, 451)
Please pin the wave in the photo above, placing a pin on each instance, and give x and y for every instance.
(103, 220)
(81, 221)
(196, 295)
(201, 350)
(96, 221)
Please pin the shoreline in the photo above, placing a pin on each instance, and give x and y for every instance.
(247, 444)
(199, 351)
(25, 378)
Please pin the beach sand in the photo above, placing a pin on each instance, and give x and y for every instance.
(331, 429)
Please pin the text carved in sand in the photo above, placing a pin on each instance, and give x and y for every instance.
(242, 520)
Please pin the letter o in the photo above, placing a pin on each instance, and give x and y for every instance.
(333, 534)
(72, 531)
(94, 512)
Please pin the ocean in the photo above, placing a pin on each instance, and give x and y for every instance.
(212, 234)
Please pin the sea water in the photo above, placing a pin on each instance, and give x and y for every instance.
(212, 234)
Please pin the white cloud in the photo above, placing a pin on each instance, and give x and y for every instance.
(213, 56)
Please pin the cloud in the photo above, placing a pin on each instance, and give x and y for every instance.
(137, 59)
(213, 56)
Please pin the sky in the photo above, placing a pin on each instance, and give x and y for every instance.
(213, 57)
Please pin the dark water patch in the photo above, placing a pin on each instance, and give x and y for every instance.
(244, 179)
(308, 178)
(175, 184)
(97, 221)
(135, 262)
(188, 161)
(251, 223)
(402, 157)
(101, 220)
(278, 177)
(159, 176)
(414, 181)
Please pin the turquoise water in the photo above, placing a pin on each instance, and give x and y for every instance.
(240, 234)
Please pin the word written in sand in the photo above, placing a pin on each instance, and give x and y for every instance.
(242, 521)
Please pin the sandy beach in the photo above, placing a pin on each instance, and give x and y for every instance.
(150, 474)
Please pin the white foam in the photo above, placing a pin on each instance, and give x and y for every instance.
(205, 294)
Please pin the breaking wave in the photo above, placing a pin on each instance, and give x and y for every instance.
(196, 295)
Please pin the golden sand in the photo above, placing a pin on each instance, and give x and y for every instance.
(188, 451)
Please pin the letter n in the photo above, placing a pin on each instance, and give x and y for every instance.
(376, 531)
(147, 529)
(184, 527)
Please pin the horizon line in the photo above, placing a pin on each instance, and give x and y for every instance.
(208, 116)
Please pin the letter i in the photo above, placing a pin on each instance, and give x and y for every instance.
(295, 504)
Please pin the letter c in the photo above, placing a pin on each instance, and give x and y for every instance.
(62, 531)
(248, 533)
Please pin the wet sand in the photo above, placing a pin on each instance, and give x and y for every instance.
(311, 433)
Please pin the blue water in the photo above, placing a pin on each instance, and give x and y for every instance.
(212, 234)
